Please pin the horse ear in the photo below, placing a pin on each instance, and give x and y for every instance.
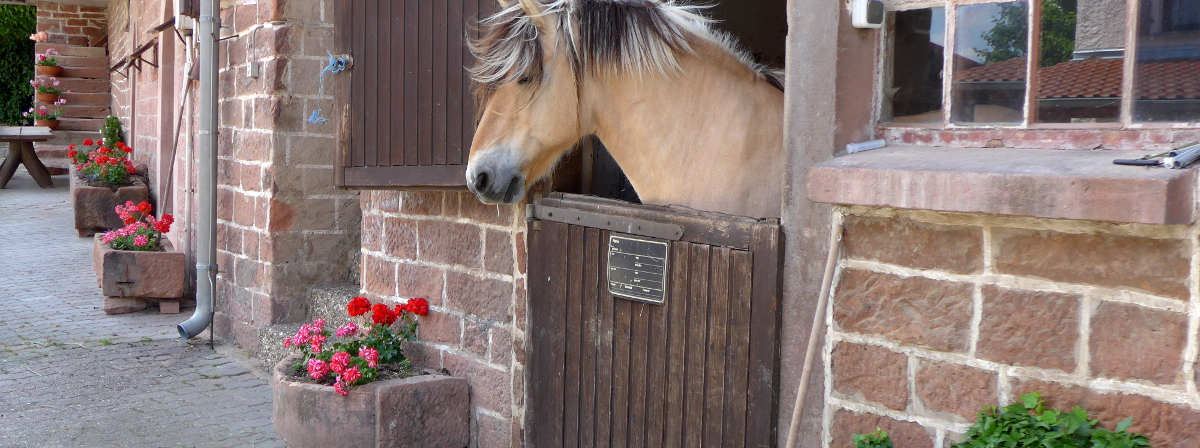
(503, 3)
(535, 10)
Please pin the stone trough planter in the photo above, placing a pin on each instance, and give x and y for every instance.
(95, 206)
(426, 411)
(130, 280)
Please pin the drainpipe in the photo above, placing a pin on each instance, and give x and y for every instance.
(206, 225)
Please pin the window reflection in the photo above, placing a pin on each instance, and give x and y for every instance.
(1081, 61)
(1167, 73)
(990, 63)
(917, 55)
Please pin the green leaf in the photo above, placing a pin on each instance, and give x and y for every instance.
(1125, 424)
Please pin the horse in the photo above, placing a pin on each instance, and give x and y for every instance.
(687, 115)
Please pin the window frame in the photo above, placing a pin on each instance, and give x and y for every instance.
(887, 58)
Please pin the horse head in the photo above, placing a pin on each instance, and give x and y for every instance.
(527, 94)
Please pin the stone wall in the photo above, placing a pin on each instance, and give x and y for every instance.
(283, 227)
(468, 260)
(937, 315)
(66, 23)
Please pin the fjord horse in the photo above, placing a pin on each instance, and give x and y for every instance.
(687, 116)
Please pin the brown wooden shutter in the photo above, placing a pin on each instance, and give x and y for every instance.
(410, 116)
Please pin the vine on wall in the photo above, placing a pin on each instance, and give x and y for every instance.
(16, 61)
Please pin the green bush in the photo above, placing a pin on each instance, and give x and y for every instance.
(1029, 424)
(878, 439)
(17, 22)
(112, 131)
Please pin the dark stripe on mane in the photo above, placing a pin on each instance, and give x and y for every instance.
(630, 35)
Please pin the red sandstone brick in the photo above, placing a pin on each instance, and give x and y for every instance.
(379, 276)
(1132, 342)
(875, 374)
(441, 328)
(475, 337)
(420, 281)
(909, 310)
(903, 434)
(1167, 425)
(955, 389)
(502, 345)
(1029, 328)
(477, 296)
(400, 238)
(498, 257)
(1159, 267)
(914, 244)
(372, 233)
(491, 388)
(474, 210)
(423, 355)
(425, 203)
(522, 254)
(494, 432)
(451, 242)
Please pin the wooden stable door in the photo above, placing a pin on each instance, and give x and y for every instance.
(698, 370)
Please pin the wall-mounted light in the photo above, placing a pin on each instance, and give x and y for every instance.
(866, 13)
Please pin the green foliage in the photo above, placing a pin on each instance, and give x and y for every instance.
(17, 22)
(1008, 35)
(112, 131)
(1029, 424)
(1007, 38)
(878, 439)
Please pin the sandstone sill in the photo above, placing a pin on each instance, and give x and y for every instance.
(1077, 185)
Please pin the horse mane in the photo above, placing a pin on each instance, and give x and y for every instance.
(637, 36)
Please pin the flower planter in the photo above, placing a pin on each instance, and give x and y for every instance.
(52, 124)
(49, 70)
(94, 206)
(426, 411)
(47, 98)
(129, 280)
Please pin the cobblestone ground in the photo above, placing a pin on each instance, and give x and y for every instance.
(72, 376)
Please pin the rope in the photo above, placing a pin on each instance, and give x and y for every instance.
(336, 65)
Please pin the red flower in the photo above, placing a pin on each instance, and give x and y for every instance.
(162, 227)
(72, 153)
(144, 208)
(88, 141)
(121, 145)
(104, 150)
(167, 218)
(381, 314)
(127, 149)
(418, 306)
(357, 307)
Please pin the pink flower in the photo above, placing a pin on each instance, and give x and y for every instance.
(351, 375)
(340, 387)
(319, 323)
(369, 354)
(317, 368)
(316, 342)
(347, 330)
(141, 241)
(339, 362)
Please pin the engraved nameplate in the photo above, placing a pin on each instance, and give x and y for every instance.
(637, 268)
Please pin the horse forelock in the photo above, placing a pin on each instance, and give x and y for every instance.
(600, 36)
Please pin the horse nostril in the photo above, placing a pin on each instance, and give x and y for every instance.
(481, 182)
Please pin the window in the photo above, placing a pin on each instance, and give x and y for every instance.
(1043, 63)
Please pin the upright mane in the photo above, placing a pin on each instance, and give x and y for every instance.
(636, 36)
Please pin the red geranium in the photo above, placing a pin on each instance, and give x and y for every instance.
(358, 306)
(88, 142)
(381, 314)
(145, 207)
(418, 306)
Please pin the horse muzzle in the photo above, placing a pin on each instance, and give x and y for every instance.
(496, 186)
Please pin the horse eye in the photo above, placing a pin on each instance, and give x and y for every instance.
(524, 80)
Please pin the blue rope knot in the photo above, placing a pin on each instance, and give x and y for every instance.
(336, 65)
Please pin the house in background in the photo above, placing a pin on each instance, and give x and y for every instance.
(980, 260)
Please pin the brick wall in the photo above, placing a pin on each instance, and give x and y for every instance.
(937, 315)
(282, 225)
(66, 23)
(984, 137)
(468, 259)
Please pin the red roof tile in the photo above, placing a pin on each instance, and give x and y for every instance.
(1097, 78)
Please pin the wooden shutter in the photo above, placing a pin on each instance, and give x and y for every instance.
(410, 116)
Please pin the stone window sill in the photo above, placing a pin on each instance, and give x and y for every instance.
(1078, 185)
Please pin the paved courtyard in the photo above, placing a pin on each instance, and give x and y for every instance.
(72, 376)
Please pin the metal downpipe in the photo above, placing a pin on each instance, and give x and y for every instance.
(206, 235)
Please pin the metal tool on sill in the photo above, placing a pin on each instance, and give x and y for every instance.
(1178, 158)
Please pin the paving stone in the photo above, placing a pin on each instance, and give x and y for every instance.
(73, 376)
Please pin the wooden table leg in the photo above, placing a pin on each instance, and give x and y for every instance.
(10, 165)
(34, 165)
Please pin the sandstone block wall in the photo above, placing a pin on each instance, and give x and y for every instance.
(468, 260)
(66, 23)
(936, 315)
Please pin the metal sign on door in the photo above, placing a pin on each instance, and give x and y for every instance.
(637, 268)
